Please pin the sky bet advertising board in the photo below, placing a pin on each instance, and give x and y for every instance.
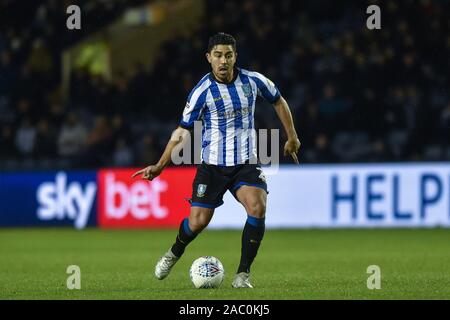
(317, 196)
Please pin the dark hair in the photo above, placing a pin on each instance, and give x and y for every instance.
(221, 38)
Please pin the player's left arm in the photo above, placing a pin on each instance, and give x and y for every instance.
(292, 144)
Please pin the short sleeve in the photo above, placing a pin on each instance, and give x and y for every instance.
(266, 88)
(194, 107)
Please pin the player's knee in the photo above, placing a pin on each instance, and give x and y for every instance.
(197, 224)
(199, 220)
(256, 209)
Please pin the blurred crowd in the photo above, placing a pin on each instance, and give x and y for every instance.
(357, 95)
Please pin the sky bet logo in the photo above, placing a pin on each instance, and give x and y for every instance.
(59, 200)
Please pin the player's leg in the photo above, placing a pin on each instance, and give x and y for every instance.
(190, 227)
(254, 200)
(207, 193)
(250, 189)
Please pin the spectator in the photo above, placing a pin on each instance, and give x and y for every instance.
(147, 151)
(123, 155)
(99, 145)
(25, 137)
(45, 146)
(7, 143)
(72, 137)
(444, 125)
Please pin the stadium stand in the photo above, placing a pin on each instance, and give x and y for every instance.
(357, 95)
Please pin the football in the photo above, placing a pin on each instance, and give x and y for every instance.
(207, 272)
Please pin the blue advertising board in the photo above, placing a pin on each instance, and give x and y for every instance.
(48, 199)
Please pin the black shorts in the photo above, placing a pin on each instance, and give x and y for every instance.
(211, 182)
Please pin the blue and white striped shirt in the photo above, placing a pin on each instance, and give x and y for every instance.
(227, 114)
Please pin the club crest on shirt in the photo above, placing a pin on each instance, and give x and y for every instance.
(201, 189)
(247, 89)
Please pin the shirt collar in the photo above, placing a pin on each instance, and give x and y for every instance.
(236, 72)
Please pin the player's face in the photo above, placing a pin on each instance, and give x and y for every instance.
(222, 59)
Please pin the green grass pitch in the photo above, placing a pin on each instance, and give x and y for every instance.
(291, 264)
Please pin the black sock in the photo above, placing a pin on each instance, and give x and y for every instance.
(252, 236)
(184, 237)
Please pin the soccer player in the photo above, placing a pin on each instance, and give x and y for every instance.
(224, 100)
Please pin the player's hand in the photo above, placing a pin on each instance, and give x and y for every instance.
(149, 173)
(291, 147)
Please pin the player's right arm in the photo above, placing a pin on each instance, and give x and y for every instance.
(178, 139)
(192, 112)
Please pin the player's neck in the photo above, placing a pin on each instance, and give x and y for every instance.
(229, 79)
